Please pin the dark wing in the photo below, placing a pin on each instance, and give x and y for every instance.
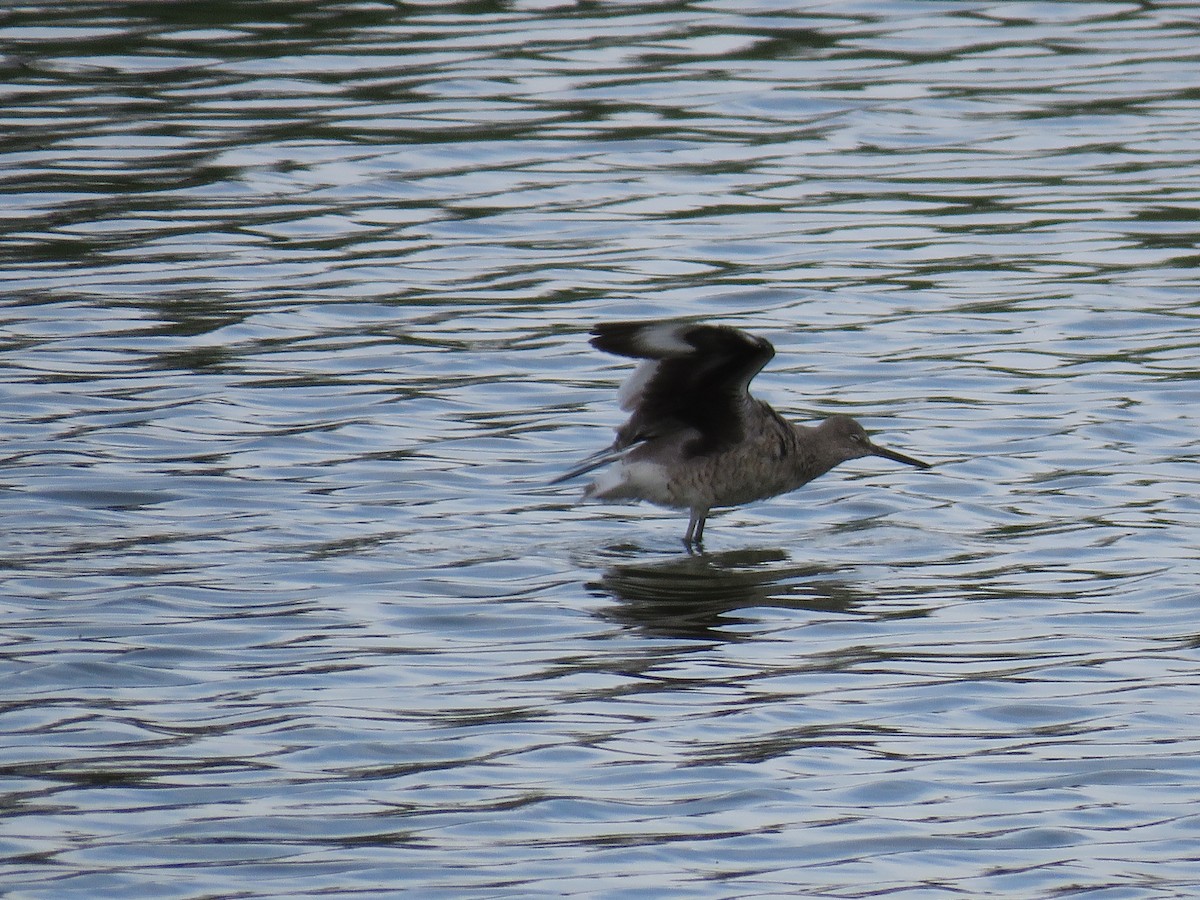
(698, 377)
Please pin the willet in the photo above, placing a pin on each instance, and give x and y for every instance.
(696, 439)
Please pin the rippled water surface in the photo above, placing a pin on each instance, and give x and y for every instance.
(294, 310)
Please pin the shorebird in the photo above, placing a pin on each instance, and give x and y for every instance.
(696, 439)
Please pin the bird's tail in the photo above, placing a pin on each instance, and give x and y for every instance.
(595, 461)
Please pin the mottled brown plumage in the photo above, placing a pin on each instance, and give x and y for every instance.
(696, 439)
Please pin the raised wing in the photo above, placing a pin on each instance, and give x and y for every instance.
(694, 377)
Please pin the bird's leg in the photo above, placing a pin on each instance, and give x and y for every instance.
(695, 529)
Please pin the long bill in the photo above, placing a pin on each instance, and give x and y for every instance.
(896, 456)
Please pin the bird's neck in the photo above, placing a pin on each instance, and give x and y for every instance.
(812, 457)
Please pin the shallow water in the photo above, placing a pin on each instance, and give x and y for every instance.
(294, 329)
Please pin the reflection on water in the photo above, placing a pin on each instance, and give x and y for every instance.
(699, 595)
(294, 334)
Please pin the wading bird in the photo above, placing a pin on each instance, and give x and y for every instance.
(696, 439)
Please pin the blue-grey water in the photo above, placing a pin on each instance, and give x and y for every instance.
(294, 310)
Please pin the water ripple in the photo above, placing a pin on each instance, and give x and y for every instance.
(294, 337)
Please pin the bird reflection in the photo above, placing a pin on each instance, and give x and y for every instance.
(697, 595)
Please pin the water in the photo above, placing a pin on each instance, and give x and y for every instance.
(294, 308)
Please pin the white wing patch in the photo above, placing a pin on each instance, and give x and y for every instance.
(662, 339)
(634, 388)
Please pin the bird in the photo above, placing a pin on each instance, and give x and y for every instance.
(696, 438)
